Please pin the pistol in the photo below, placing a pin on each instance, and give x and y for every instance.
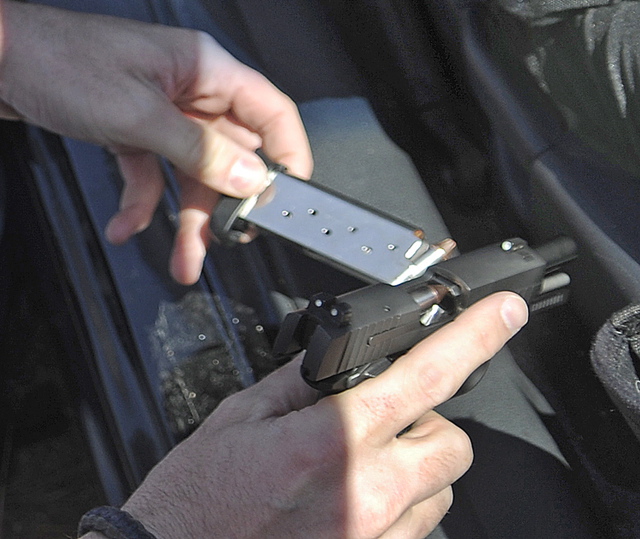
(416, 287)
(355, 336)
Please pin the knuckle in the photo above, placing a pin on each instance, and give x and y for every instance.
(430, 512)
(372, 411)
(450, 455)
(443, 501)
(203, 37)
(230, 407)
(446, 499)
(381, 495)
(141, 213)
(432, 383)
(376, 515)
(130, 126)
(460, 445)
(187, 44)
(287, 111)
(196, 159)
(483, 341)
(288, 105)
(284, 107)
(213, 156)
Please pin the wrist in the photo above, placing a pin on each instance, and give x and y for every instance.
(108, 522)
(152, 521)
(172, 500)
(159, 518)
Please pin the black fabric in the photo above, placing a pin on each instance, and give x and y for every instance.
(412, 88)
(519, 485)
(616, 359)
(294, 43)
(587, 60)
(614, 356)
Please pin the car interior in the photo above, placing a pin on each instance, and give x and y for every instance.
(109, 363)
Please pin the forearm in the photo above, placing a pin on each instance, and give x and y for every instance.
(109, 522)
(84, 76)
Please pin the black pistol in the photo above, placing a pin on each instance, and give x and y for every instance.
(357, 335)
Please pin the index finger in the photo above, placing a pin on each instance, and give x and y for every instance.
(433, 370)
(257, 105)
(274, 116)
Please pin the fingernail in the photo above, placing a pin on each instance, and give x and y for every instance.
(248, 176)
(117, 232)
(515, 313)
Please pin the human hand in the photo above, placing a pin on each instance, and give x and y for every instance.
(273, 462)
(144, 90)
